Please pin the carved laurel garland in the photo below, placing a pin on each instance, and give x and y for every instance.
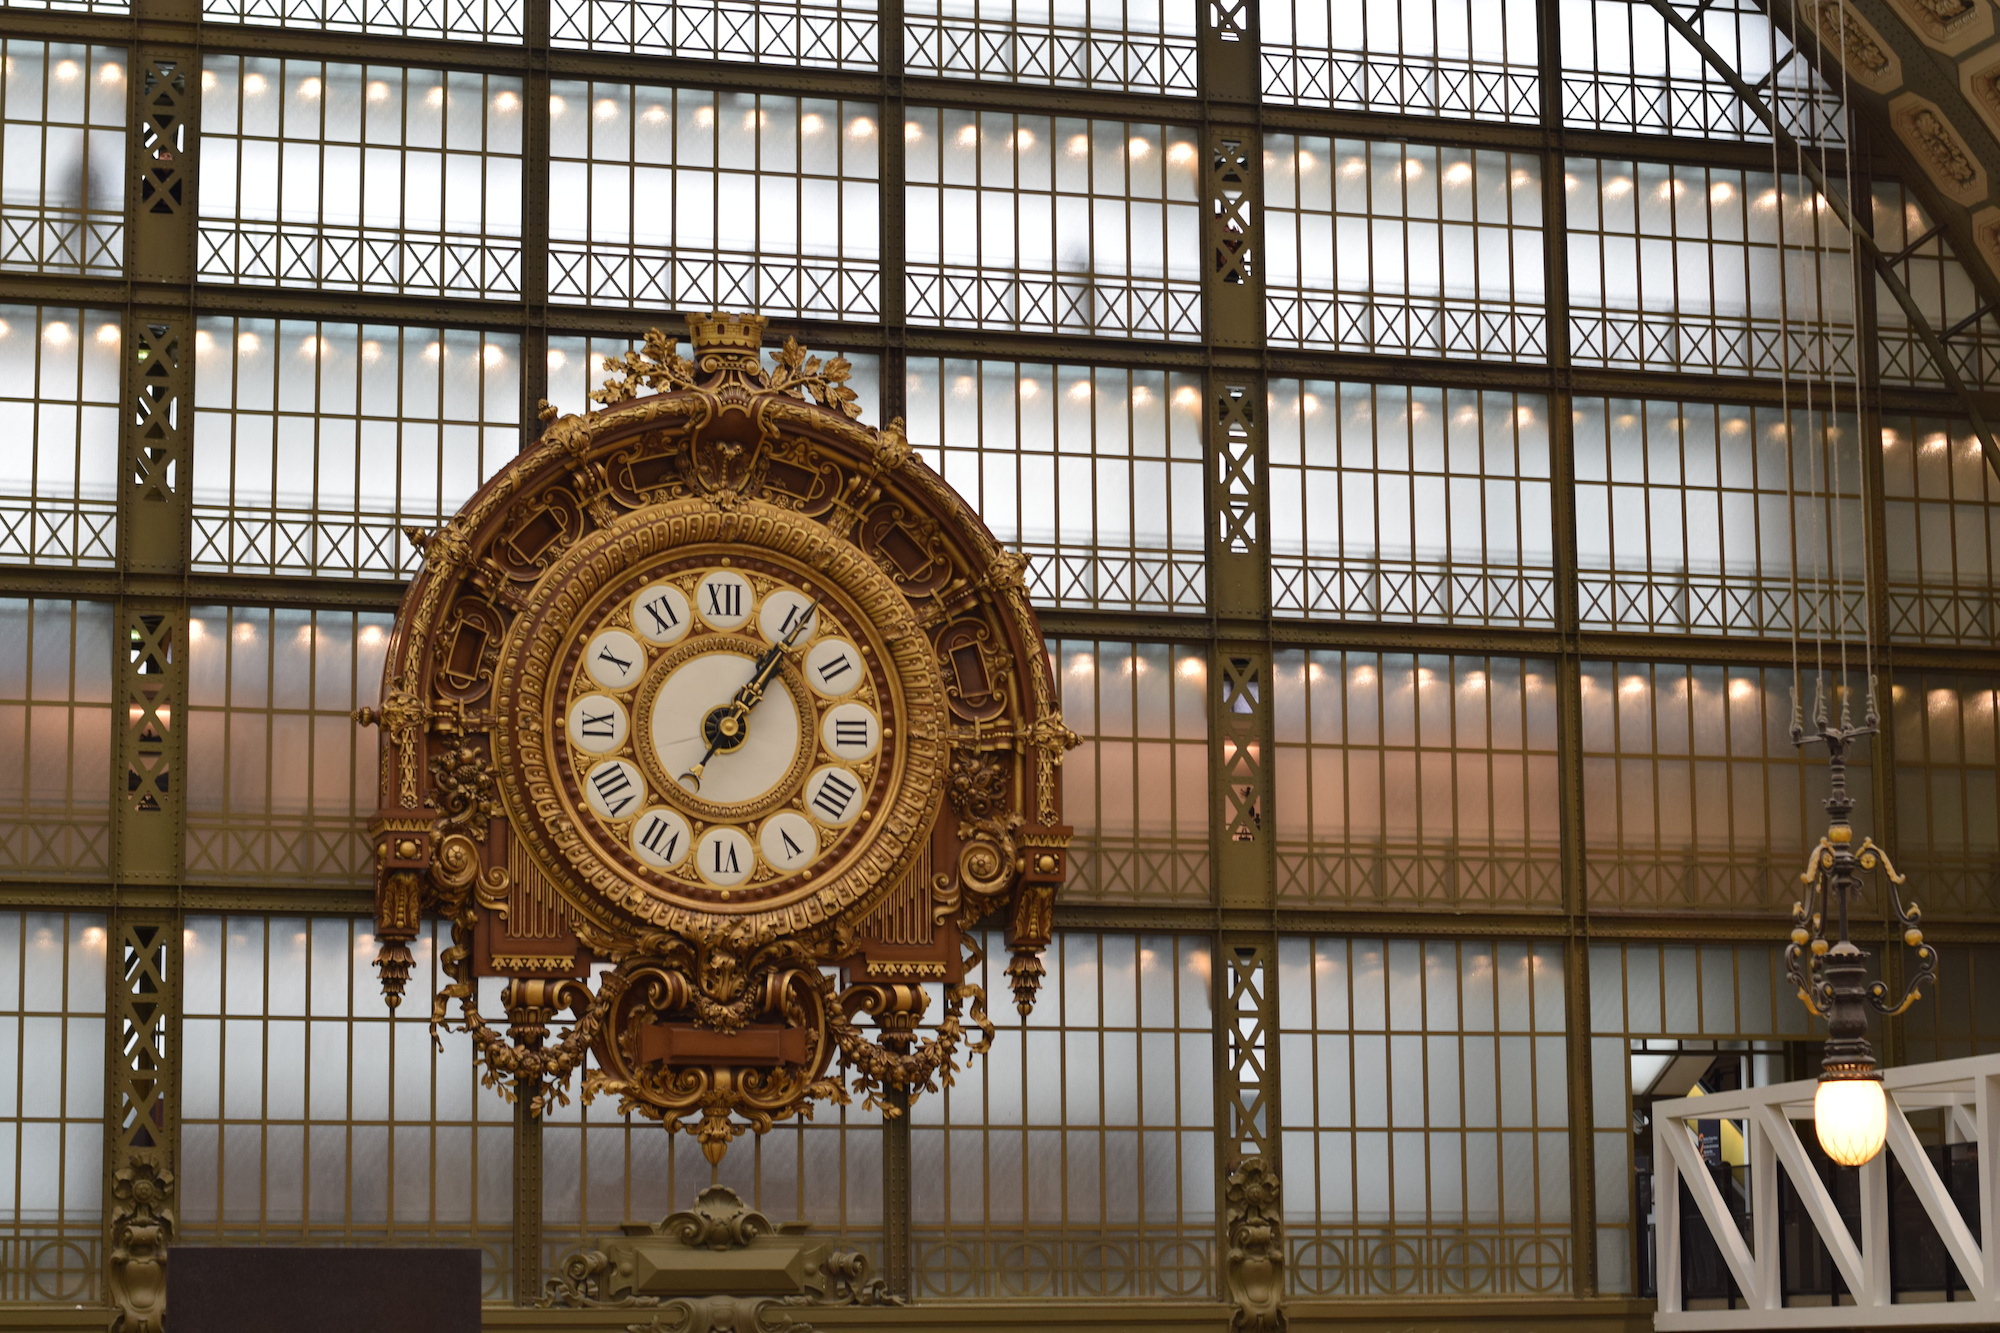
(715, 1016)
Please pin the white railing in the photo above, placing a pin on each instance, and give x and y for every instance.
(1770, 1118)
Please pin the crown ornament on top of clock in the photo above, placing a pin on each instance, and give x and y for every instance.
(719, 728)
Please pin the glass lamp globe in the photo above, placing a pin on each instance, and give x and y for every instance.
(1852, 1118)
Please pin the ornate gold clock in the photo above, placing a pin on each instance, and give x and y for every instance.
(731, 693)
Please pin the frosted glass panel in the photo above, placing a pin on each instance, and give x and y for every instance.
(62, 158)
(1426, 1095)
(317, 443)
(313, 1115)
(1077, 1160)
(55, 739)
(1398, 503)
(1703, 519)
(1093, 473)
(680, 198)
(59, 414)
(52, 1048)
(1136, 789)
(281, 779)
(1377, 246)
(1407, 779)
(1052, 224)
(1472, 59)
(360, 178)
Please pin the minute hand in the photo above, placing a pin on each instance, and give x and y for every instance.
(767, 665)
(749, 695)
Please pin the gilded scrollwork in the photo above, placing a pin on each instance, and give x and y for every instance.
(462, 786)
(716, 1017)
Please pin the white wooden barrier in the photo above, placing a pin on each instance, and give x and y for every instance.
(1772, 1119)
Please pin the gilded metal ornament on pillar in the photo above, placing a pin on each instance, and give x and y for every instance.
(1828, 968)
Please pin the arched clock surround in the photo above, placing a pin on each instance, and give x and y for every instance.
(725, 559)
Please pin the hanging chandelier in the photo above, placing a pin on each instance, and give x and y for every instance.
(1830, 970)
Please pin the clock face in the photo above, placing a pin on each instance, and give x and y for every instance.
(726, 723)
(729, 723)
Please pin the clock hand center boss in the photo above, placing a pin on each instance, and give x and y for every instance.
(779, 906)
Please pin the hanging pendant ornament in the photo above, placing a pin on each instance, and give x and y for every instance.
(713, 724)
(1849, 1110)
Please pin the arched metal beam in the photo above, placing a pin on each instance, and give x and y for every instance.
(1884, 265)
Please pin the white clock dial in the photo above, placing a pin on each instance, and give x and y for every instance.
(614, 659)
(833, 668)
(833, 796)
(788, 841)
(723, 856)
(851, 731)
(730, 776)
(597, 723)
(661, 614)
(614, 789)
(781, 613)
(661, 838)
(723, 599)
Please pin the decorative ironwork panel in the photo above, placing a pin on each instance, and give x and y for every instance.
(840, 34)
(375, 178)
(1052, 224)
(1137, 789)
(498, 21)
(59, 392)
(55, 739)
(1682, 268)
(1427, 1113)
(1694, 797)
(1093, 473)
(152, 534)
(52, 1034)
(1416, 781)
(1452, 58)
(1694, 518)
(320, 442)
(1246, 1040)
(312, 1116)
(1649, 1004)
(280, 780)
(162, 166)
(1941, 533)
(1241, 732)
(1411, 504)
(142, 1115)
(1075, 1160)
(151, 743)
(1238, 495)
(1379, 246)
(1947, 738)
(686, 198)
(1137, 46)
(1233, 237)
(63, 160)
(1624, 68)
